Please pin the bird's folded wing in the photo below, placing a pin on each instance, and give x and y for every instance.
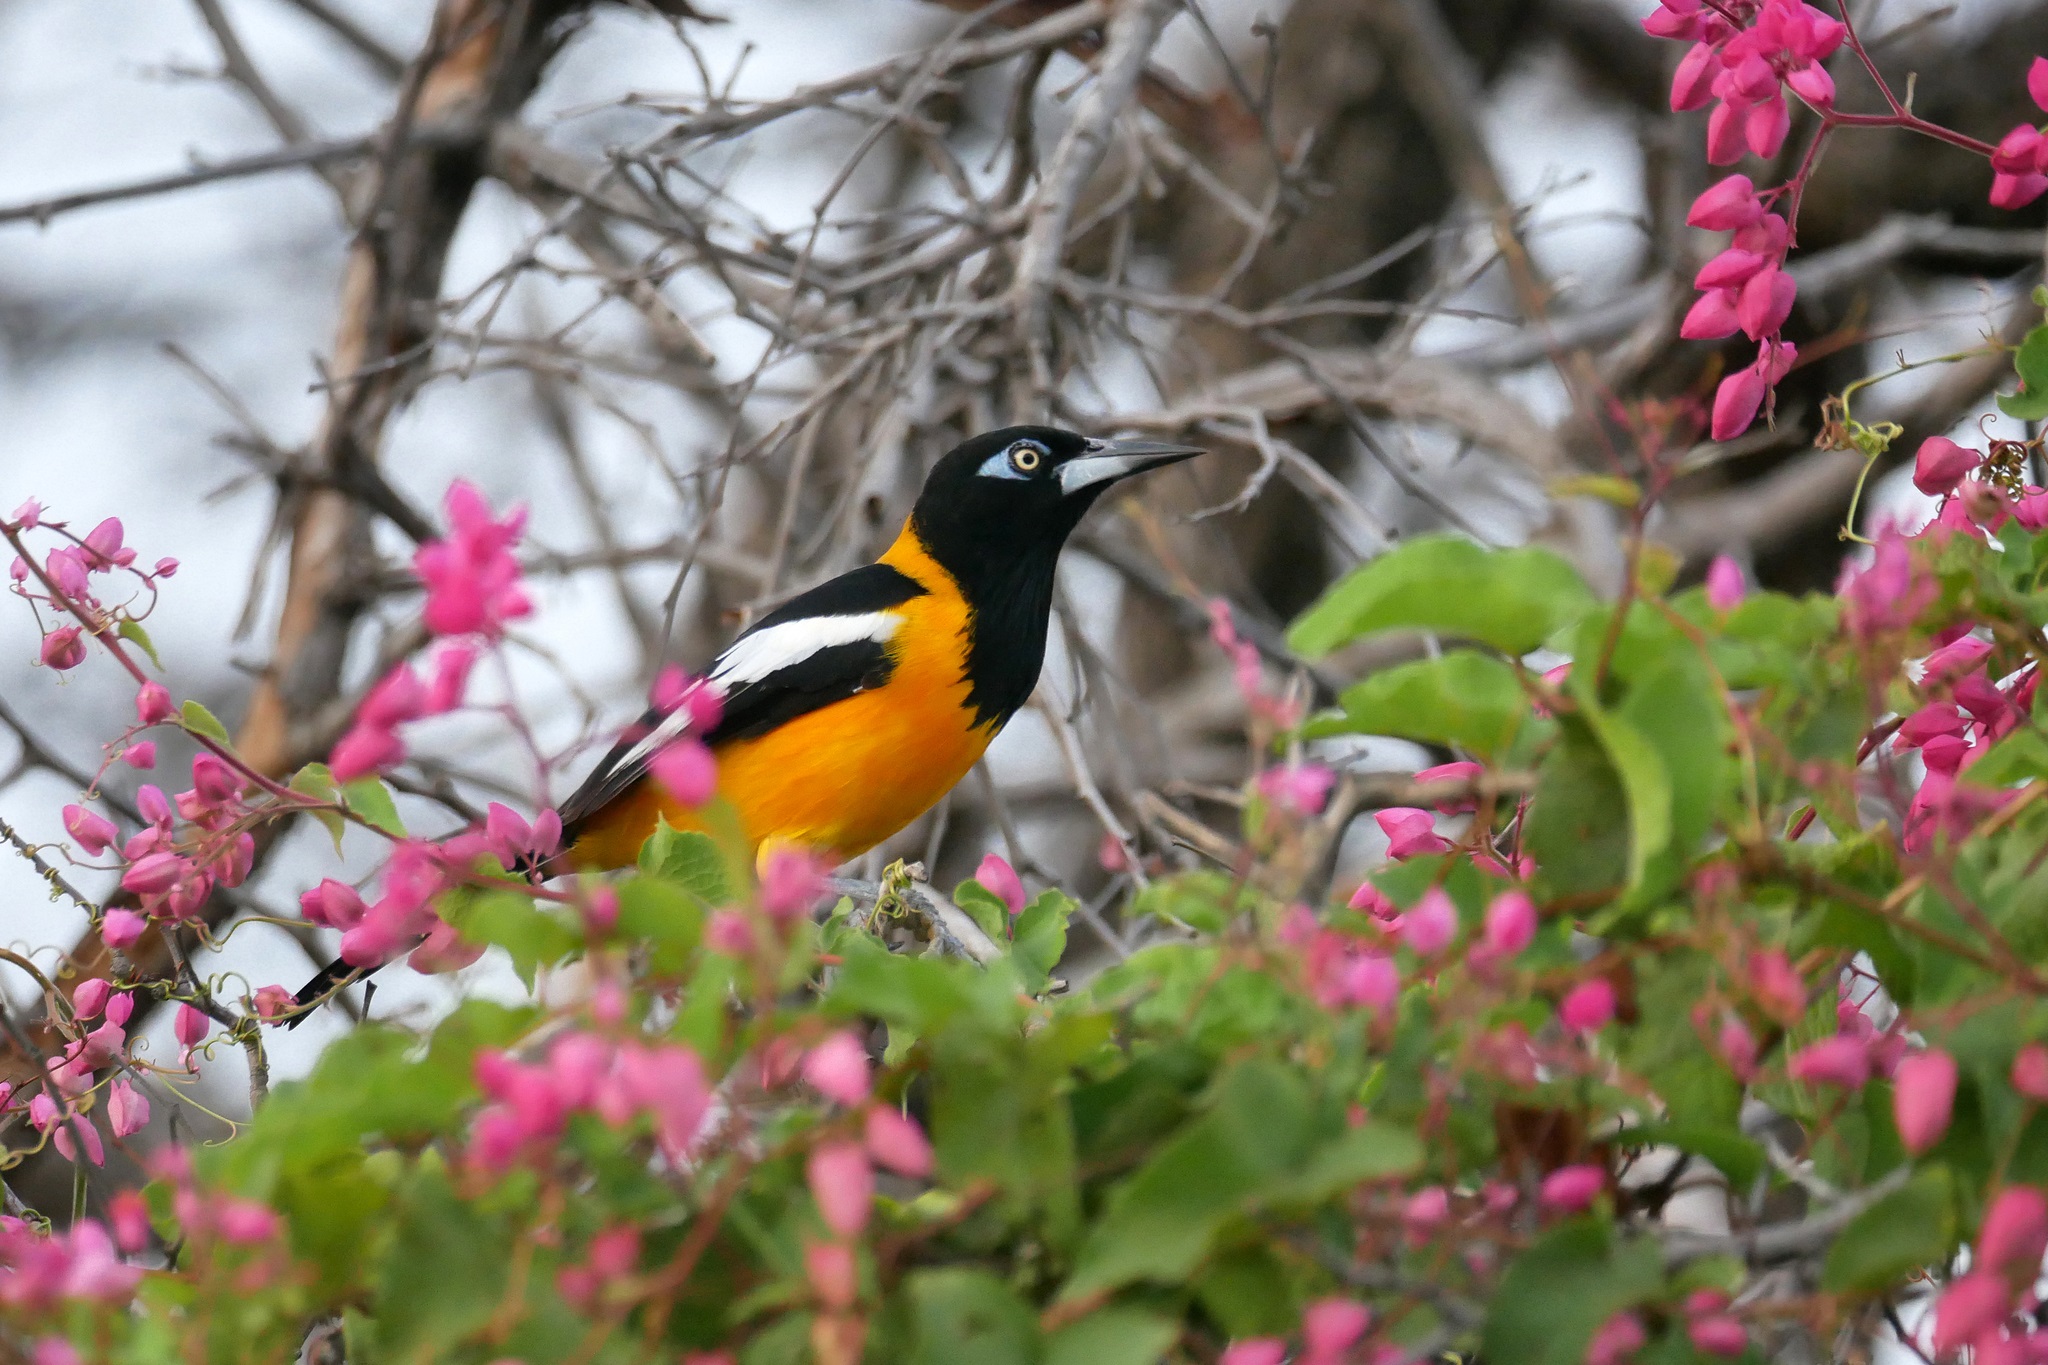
(818, 648)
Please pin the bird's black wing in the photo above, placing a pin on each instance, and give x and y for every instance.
(819, 647)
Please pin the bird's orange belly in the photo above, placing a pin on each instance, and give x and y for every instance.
(840, 779)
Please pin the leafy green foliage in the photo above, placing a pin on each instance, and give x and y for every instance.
(1510, 599)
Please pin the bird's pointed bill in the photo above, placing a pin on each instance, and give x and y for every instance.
(1108, 461)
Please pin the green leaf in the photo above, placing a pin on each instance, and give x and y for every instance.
(1911, 1227)
(2030, 404)
(663, 914)
(985, 907)
(1579, 820)
(315, 781)
(201, 721)
(1510, 599)
(1370, 1151)
(132, 630)
(1160, 1221)
(1463, 698)
(2017, 757)
(1734, 1155)
(691, 860)
(1041, 938)
(509, 919)
(445, 1272)
(969, 1317)
(1559, 1291)
(1645, 782)
(1678, 714)
(1112, 1336)
(369, 799)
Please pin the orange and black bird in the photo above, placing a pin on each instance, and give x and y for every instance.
(852, 708)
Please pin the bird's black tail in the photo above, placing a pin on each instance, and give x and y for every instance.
(331, 978)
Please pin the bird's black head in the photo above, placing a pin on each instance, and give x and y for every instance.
(994, 514)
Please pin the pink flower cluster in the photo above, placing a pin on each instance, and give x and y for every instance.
(56, 1109)
(1711, 1328)
(372, 744)
(1329, 1330)
(70, 570)
(1978, 1310)
(2019, 168)
(1275, 710)
(1744, 54)
(586, 1073)
(1971, 506)
(403, 917)
(1746, 289)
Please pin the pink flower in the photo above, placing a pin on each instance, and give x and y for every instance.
(332, 904)
(1410, 832)
(93, 831)
(843, 1184)
(1969, 1307)
(1372, 901)
(838, 1069)
(1510, 924)
(1429, 928)
(119, 929)
(1568, 1189)
(1454, 772)
(1958, 657)
(443, 950)
(28, 516)
(1302, 788)
(2037, 82)
(362, 751)
(153, 704)
(1941, 464)
(2014, 1234)
(2030, 1072)
(1737, 1047)
(154, 874)
(129, 1214)
(1776, 986)
(1712, 316)
(686, 770)
(1617, 1339)
(1000, 880)
(896, 1142)
(1736, 402)
(833, 1273)
(90, 997)
(127, 1109)
(792, 881)
(1731, 269)
(140, 755)
(1371, 980)
(62, 649)
(1719, 1335)
(2016, 191)
(1329, 1327)
(103, 544)
(1426, 1208)
(472, 580)
(1725, 586)
(451, 679)
(1842, 1061)
(1588, 1007)
(192, 1026)
(729, 932)
(705, 700)
(272, 1002)
(1923, 1095)
(244, 1222)
(1728, 204)
(1255, 1351)
(1936, 720)
(1765, 303)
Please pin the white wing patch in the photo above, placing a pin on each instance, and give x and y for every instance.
(754, 657)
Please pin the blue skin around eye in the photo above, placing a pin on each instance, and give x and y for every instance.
(998, 466)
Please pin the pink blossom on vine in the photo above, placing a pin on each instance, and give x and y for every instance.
(1725, 585)
(999, 879)
(1936, 720)
(1464, 771)
(141, 755)
(1588, 1007)
(1959, 656)
(90, 997)
(62, 649)
(119, 929)
(1510, 925)
(1569, 1189)
(1372, 901)
(704, 699)
(843, 1184)
(1430, 927)
(127, 1109)
(1330, 1327)
(472, 580)
(2030, 1072)
(1842, 1061)
(92, 831)
(1923, 1096)
(686, 770)
(331, 904)
(792, 881)
(1971, 1306)
(897, 1142)
(1730, 203)
(2014, 1234)
(1616, 1340)
(1298, 787)
(1718, 1335)
(838, 1069)
(1410, 832)
(1255, 1351)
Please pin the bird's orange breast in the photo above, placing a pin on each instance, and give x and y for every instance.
(846, 776)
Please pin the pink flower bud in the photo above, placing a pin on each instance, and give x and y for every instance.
(2014, 1235)
(93, 831)
(1766, 302)
(1000, 880)
(1588, 1007)
(729, 932)
(896, 1142)
(1736, 402)
(62, 649)
(1776, 986)
(28, 516)
(833, 1273)
(166, 567)
(1426, 1209)
(1370, 980)
(2030, 1072)
(119, 1008)
(1941, 464)
(1719, 1335)
(1936, 720)
(153, 704)
(129, 1214)
(1923, 1095)
(191, 1027)
(1842, 1061)
(1329, 1327)
(1454, 772)
(838, 1069)
(272, 1003)
(2017, 150)
(332, 904)
(792, 882)
(843, 1184)
(1255, 1351)
(451, 678)
(104, 542)
(686, 771)
(1970, 1306)
(1725, 586)
(364, 750)
(399, 696)
(1727, 205)
(1765, 126)
(1692, 83)
(1731, 269)
(1410, 832)
(1959, 656)
(119, 929)
(1712, 316)
(215, 781)
(1372, 901)
(1813, 84)
(1617, 1340)
(600, 908)
(140, 755)
(244, 1222)
(1429, 928)
(1510, 924)
(2017, 191)
(1568, 1189)
(127, 1109)
(154, 875)
(2037, 82)
(1300, 787)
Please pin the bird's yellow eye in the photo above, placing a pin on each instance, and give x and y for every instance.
(1026, 456)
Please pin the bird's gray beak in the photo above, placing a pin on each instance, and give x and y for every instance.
(1107, 461)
